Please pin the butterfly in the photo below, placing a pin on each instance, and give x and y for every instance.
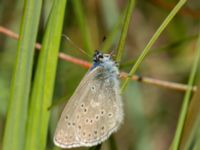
(95, 110)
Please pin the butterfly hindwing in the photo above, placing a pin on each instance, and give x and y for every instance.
(100, 113)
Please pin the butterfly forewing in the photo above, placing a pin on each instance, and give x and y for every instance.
(104, 114)
(65, 134)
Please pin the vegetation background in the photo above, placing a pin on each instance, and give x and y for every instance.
(151, 112)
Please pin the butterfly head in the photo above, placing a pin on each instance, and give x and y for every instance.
(100, 57)
(105, 61)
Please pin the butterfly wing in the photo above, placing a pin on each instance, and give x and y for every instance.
(100, 112)
(92, 114)
(65, 134)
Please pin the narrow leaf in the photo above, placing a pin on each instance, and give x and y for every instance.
(122, 40)
(14, 134)
(82, 25)
(190, 122)
(42, 93)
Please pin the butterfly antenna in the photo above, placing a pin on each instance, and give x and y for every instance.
(72, 43)
(102, 42)
(104, 38)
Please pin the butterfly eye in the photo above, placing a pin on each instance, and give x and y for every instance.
(100, 57)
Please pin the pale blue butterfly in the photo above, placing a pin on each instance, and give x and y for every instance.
(95, 110)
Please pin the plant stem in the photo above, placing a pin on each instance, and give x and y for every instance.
(152, 41)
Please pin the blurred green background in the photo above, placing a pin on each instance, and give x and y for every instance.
(151, 112)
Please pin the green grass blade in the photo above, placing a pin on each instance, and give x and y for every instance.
(110, 39)
(197, 142)
(114, 34)
(14, 134)
(42, 92)
(175, 44)
(110, 13)
(186, 100)
(83, 26)
(122, 40)
(152, 41)
(192, 121)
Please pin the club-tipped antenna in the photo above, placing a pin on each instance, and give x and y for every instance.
(72, 43)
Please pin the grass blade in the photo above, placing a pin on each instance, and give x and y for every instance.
(21, 81)
(42, 92)
(192, 121)
(110, 13)
(129, 13)
(152, 41)
(185, 105)
(113, 36)
(82, 25)
(197, 142)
